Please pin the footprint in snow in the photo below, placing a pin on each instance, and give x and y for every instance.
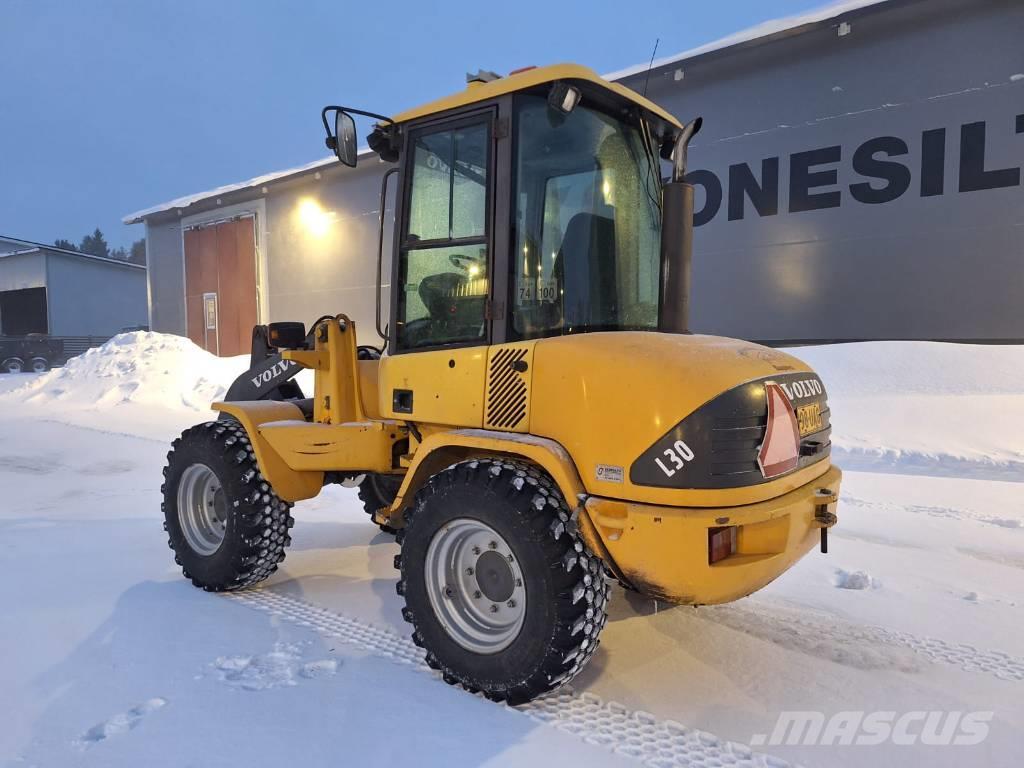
(278, 668)
(120, 723)
(1004, 522)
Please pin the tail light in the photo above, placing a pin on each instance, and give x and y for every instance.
(780, 451)
(721, 543)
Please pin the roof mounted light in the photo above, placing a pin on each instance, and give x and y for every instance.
(563, 97)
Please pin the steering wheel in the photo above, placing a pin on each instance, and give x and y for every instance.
(464, 262)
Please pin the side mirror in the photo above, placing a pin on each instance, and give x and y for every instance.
(345, 138)
(286, 335)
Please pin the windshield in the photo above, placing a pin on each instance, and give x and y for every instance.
(587, 223)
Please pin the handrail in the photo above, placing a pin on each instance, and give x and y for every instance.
(380, 246)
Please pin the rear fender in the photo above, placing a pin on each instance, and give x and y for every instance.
(442, 449)
(289, 484)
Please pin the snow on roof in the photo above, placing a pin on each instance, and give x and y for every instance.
(764, 29)
(256, 181)
(34, 247)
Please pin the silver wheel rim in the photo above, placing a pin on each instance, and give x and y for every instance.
(475, 586)
(202, 509)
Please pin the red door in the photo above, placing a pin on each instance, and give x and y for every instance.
(220, 286)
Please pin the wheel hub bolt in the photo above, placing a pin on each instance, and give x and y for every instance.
(469, 571)
(494, 608)
(476, 550)
(448, 591)
(476, 595)
(511, 603)
(510, 557)
(493, 545)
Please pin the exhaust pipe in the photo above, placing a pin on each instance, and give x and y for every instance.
(677, 239)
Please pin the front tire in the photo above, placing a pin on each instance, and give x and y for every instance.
(501, 591)
(227, 527)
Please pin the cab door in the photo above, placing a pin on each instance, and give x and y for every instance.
(440, 314)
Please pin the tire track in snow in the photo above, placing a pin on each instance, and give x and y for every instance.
(634, 734)
(856, 644)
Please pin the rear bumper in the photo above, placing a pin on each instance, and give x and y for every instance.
(663, 551)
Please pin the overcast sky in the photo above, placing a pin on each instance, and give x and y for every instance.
(109, 107)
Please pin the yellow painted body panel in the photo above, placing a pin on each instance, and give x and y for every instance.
(447, 386)
(368, 370)
(607, 397)
(358, 446)
(663, 551)
(477, 92)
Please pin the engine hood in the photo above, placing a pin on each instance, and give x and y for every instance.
(611, 399)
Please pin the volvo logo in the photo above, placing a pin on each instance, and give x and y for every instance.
(797, 390)
(272, 372)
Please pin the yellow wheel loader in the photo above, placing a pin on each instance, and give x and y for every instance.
(540, 420)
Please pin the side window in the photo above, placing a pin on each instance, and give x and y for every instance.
(443, 280)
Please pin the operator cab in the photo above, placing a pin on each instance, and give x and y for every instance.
(528, 207)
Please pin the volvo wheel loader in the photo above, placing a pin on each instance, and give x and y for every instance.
(540, 420)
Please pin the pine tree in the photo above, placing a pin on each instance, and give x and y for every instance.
(95, 244)
(67, 245)
(138, 252)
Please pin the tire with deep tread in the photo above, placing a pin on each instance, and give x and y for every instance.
(378, 491)
(567, 593)
(258, 523)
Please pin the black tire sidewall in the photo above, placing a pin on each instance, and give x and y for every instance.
(520, 660)
(219, 569)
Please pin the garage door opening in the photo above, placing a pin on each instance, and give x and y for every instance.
(220, 285)
(23, 312)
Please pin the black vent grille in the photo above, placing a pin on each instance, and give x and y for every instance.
(735, 442)
(506, 389)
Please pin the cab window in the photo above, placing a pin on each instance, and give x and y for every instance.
(587, 223)
(443, 263)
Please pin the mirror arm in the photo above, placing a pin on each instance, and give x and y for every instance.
(335, 107)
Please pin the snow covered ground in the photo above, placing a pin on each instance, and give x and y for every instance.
(110, 658)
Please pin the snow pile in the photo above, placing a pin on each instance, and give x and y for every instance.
(925, 406)
(858, 580)
(142, 368)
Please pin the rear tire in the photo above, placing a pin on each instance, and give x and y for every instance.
(227, 527)
(39, 365)
(12, 365)
(378, 491)
(531, 620)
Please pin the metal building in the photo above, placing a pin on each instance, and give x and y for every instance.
(49, 290)
(858, 177)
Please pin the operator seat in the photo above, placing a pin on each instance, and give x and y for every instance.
(441, 295)
(585, 268)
